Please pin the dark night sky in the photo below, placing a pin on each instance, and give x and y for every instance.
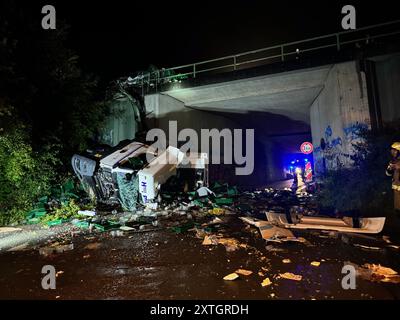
(117, 37)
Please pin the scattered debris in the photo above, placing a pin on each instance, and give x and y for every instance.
(126, 228)
(244, 272)
(266, 282)
(366, 225)
(230, 244)
(183, 228)
(210, 240)
(116, 233)
(55, 248)
(315, 263)
(231, 276)
(366, 247)
(93, 246)
(88, 213)
(271, 248)
(286, 261)
(291, 276)
(386, 239)
(216, 220)
(216, 211)
(272, 233)
(204, 192)
(376, 273)
(21, 247)
(59, 272)
(9, 229)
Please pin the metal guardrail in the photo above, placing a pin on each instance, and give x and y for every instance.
(281, 52)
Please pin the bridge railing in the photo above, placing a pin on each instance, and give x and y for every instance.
(282, 52)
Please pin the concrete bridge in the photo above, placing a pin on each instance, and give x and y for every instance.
(321, 90)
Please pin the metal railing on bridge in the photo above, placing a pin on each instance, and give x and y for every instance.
(282, 52)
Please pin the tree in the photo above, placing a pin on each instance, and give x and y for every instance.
(49, 108)
(363, 188)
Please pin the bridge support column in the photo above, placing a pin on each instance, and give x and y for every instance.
(337, 114)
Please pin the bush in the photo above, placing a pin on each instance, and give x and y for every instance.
(25, 175)
(364, 188)
(65, 212)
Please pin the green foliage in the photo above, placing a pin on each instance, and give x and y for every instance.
(65, 212)
(364, 187)
(25, 175)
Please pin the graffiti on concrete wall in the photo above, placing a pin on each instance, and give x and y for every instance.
(333, 150)
(353, 131)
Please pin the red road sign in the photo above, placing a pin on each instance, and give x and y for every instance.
(306, 147)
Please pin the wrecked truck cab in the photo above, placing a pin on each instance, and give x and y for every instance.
(132, 173)
(191, 168)
(101, 171)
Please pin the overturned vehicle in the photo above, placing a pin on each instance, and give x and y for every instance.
(134, 174)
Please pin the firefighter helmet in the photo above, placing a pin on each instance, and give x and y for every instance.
(396, 146)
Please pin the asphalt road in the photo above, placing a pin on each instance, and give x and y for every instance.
(163, 265)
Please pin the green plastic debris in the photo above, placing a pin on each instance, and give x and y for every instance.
(183, 228)
(210, 229)
(99, 227)
(56, 222)
(34, 216)
(216, 186)
(107, 226)
(232, 191)
(40, 214)
(81, 224)
(198, 203)
(33, 221)
(224, 201)
(224, 190)
(66, 191)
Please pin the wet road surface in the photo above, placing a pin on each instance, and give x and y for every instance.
(164, 265)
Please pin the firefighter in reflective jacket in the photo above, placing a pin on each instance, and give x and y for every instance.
(393, 170)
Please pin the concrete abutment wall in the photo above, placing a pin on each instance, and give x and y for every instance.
(337, 114)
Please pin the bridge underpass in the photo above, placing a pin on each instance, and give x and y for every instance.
(326, 104)
(276, 106)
